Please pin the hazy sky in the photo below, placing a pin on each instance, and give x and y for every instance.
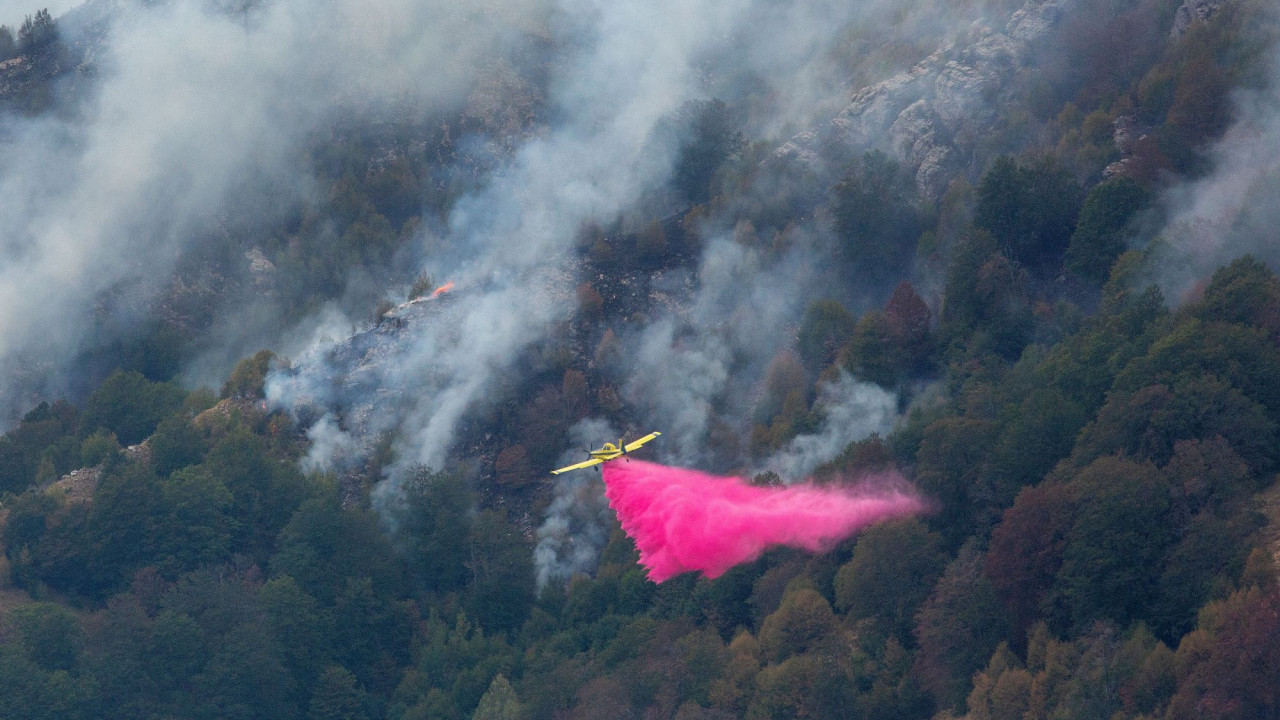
(13, 11)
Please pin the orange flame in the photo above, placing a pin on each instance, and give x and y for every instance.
(442, 289)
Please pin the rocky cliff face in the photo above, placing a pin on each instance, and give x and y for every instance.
(931, 115)
(1193, 11)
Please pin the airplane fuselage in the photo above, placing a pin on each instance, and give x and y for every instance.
(607, 452)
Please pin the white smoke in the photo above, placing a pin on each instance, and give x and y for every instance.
(852, 411)
(193, 108)
(1233, 211)
(509, 241)
(577, 525)
(190, 108)
(675, 382)
(328, 442)
(687, 370)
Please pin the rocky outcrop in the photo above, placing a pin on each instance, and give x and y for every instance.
(930, 116)
(1128, 133)
(1192, 11)
(261, 270)
(77, 486)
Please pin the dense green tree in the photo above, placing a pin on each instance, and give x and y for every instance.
(1147, 424)
(1099, 236)
(1025, 553)
(433, 520)
(957, 629)
(8, 45)
(824, 329)
(1041, 431)
(119, 658)
(951, 467)
(372, 633)
(961, 307)
(244, 678)
(893, 345)
(199, 527)
(1227, 667)
(27, 691)
(249, 375)
(463, 660)
(99, 448)
(324, 546)
(42, 433)
(893, 568)
(17, 471)
(1244, 357)
(1084, 365)
(714, 139)
(1113, 550)
(119, 534)
(303, 629)
(500, 702)
(501, 589)
(37, 32)
(1201, 566)
(130, 406)
(803, 623)
(175, 444)
(337, 697)
(177, 652)
(871, 354)
(51, 635)
(1030, 210)
(909, 325)
(1245, 292)
(25, 527)
(877, 218)
(800, 686)
(264, 490)
(986, 306)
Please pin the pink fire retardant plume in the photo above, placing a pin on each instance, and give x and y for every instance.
(684, 520)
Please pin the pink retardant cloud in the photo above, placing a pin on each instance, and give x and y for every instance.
(683, 520)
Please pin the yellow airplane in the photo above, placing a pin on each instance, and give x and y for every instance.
(608, 452)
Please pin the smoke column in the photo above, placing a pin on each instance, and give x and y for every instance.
(683, 520)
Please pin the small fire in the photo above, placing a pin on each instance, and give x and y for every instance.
(442, 289)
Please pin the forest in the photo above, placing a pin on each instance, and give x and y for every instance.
(1089, 409)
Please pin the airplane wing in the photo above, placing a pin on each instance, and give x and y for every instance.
(578, 466)
(637, 443)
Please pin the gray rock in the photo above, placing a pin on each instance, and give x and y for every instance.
(1192, 11)
(914, 137)
(929, 115)
(261, 269)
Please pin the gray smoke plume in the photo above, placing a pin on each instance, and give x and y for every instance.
(851, 411)
(509, 240)
(576, 528)
(190, 110)
(328, 443)
(505, 247)
(708, 361)
(193, 109)
(1235, 209)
